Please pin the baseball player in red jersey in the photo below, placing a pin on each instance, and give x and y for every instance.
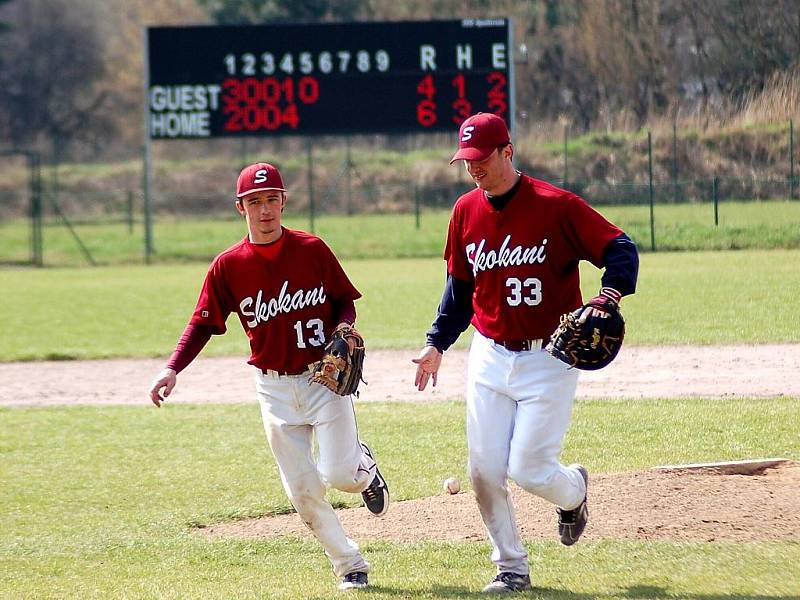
(513, 248)
(289, 292)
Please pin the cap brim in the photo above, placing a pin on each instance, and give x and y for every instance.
(472, 154)
(254, 190)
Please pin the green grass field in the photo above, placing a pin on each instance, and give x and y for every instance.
(100, 503)
(753, 225)
(683, 298)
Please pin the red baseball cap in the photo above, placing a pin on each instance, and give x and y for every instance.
(258, 178)
(479, 136)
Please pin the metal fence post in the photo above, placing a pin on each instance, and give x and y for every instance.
(147, 185)
(675, 161)
(37, 246)
(715, 198)
(652, 192)
(791, 159)
(130, 211)
(416, 205)
(565, 156)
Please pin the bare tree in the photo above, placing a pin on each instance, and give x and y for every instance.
(52, 63)
(262, 11)
(748, 40)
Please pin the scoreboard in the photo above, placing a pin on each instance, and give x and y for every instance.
(332, 78)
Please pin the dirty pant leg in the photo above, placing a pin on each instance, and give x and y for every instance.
(342, 463)
(490, 426)
(293, 451)
(545, 392)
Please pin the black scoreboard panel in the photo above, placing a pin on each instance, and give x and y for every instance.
(334, 78)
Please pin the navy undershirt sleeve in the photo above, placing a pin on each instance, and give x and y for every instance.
(343, 311)
(621, 260)
(453, 315)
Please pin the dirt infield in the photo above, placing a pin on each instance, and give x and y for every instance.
(638, 372)
(640, 505)
(678, 505)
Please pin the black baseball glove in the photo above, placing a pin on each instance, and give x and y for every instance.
(590, 337)
(341, 367)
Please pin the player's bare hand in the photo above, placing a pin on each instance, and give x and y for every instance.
(165, 381)
(428, 363)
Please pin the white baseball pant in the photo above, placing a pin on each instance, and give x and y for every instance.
(519, 405)
(294, 411)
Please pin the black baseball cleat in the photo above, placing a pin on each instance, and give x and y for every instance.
(376, 496)
(354, 581)
(571, 523)
(508, 582)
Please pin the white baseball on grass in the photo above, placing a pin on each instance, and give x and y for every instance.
(452, 485)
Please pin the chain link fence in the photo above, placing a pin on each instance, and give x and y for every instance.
(363, 216)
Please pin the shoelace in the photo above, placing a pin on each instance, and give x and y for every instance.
(568, 516)
(372, 492)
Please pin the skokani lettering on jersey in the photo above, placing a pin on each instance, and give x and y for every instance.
(506, 256)
(284, 303)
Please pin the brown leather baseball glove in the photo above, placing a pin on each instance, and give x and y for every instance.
(341, 367)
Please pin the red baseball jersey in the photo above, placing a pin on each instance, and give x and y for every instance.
(524, 258)
(282, 294)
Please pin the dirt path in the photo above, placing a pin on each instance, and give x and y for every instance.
(676, 505)
(638, 372)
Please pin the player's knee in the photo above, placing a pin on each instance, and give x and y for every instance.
(533, 475)
(485, 475)
(340, 476)
(305, 491)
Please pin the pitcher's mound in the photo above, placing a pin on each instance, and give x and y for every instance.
(674, 504)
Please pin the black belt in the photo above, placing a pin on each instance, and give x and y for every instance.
(520, 345)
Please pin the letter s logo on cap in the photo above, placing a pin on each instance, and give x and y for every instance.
(261, 176)
(466, 134)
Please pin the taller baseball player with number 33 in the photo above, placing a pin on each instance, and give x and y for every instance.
(512, 252)
(289, 293)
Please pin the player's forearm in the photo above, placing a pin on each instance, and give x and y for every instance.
(621, 260)
(191, 342)
(454, 313)
(344, 311)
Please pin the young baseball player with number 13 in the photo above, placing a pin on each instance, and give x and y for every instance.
(512, 252)
(289, 292)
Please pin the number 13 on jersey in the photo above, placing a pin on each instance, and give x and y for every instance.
(316, 333)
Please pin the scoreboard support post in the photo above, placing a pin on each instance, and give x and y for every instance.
(310, 170)
(511, 116)
(147, 159)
